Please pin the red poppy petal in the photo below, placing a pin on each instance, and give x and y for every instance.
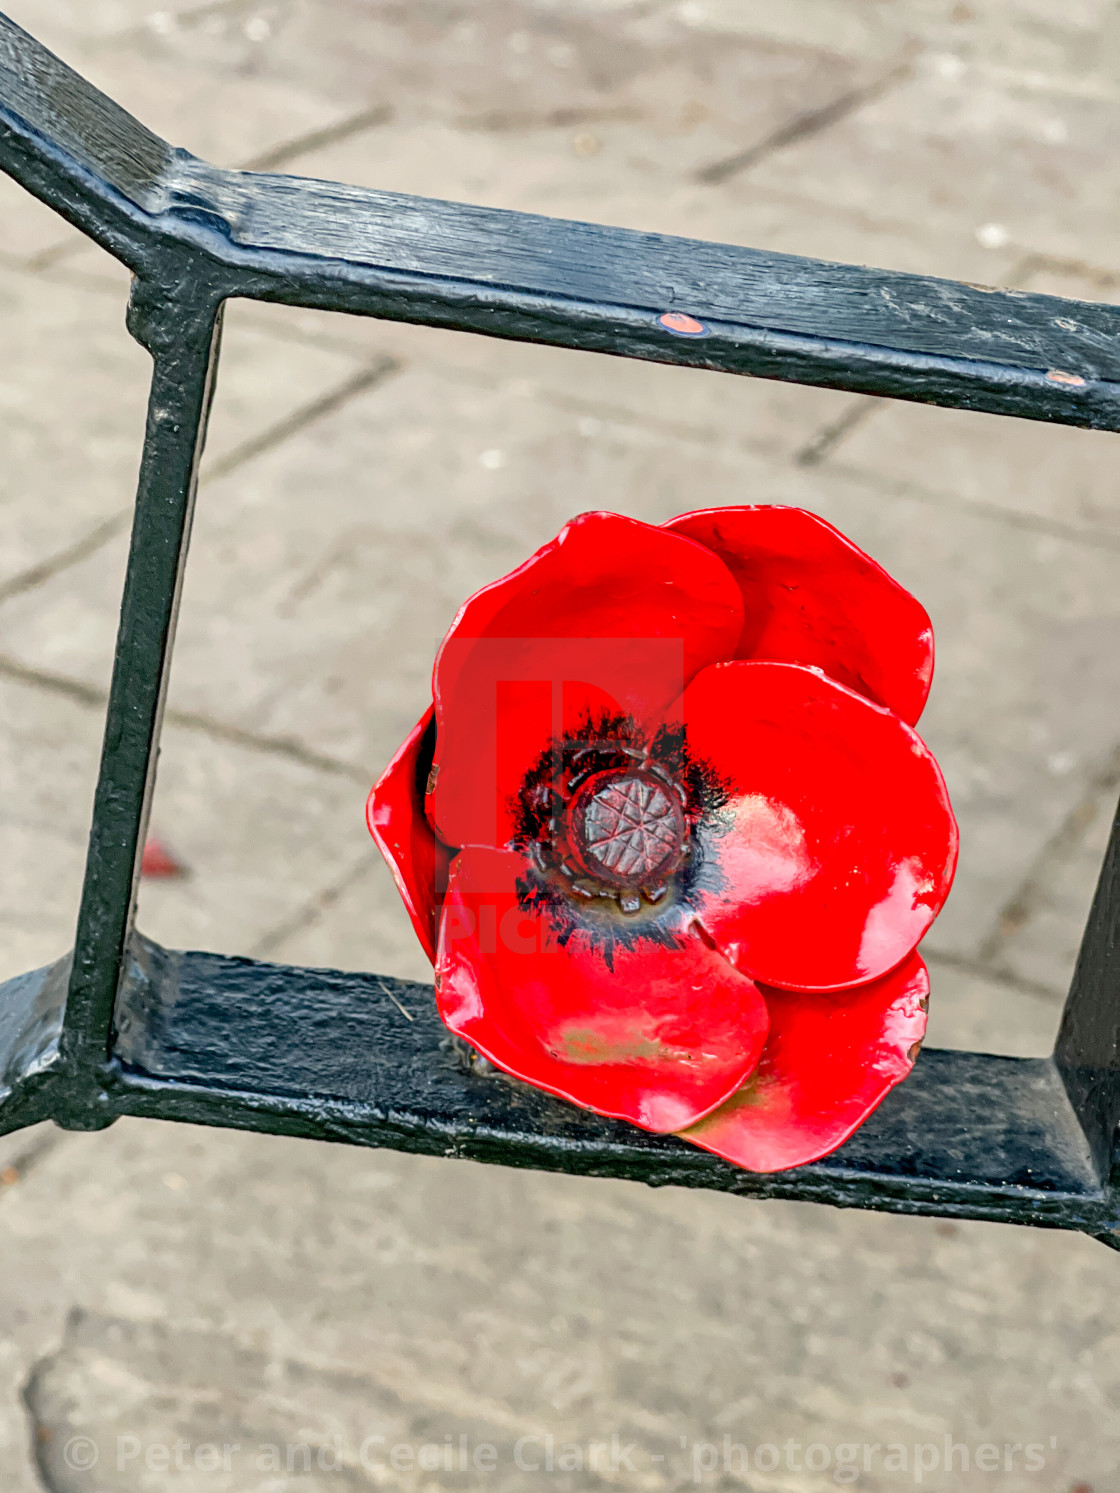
(813, 597)
(655, 1034)
(157, 862)
(395, 815)
(611, 616)
(836, 848)
(830, 1059)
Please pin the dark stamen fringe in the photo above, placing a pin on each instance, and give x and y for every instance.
(598, 743)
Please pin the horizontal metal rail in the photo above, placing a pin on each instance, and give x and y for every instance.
(365, 1059)
(124, 1027)
(507, 274)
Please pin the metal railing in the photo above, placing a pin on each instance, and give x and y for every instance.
(123, 1026)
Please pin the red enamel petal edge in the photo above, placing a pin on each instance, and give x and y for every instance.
(395, 816)
(829, 1061)
(612, 616)
(837, 845)
(811, 596)
(653, 1035)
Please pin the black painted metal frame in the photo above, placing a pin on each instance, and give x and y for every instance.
(122, 1026)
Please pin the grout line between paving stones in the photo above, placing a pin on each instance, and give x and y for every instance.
(36, 1150)
(499, 122)
(890, 487)
(1034, 523)
(830, 435)
(57, 253)
(366, 378)
(56, 684)
(805, 125)
(80, 279)
(1021, 906)
(314, 908)
(275, 746)
(971, 966)
(190, 14)
(1037, 263)
(89, 544)
(331, 134)
(606, 414)
(94, 697)
(297, 336)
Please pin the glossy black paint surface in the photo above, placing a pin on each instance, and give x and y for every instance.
(123, 1027)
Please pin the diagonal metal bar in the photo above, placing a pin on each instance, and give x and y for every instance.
(1088, 1047)
(182, 333)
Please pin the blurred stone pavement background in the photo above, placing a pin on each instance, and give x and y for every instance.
(174, 1285)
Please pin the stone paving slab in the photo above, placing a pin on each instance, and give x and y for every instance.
(763, 415)
(280, 1292)
(44, 821)
(265, 388)
(229, 118)
(225, 119)
(74, 390)
(1016, 163)
(308, 534)
(357, 923)
(258, 833)
(249, 1289)
(315, 597)
(1039, 935)
(62, 24)
(509, 64)
(846, 27)
(1052, 472)
(29, 228)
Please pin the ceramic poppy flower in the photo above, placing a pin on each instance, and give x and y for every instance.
(667, 832)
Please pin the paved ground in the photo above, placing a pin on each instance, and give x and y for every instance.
(178, 1288)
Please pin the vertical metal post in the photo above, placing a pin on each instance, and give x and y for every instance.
(180, 326)
(1088, 1047)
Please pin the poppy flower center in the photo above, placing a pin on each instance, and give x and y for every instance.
(607, 821)
(626, 827)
